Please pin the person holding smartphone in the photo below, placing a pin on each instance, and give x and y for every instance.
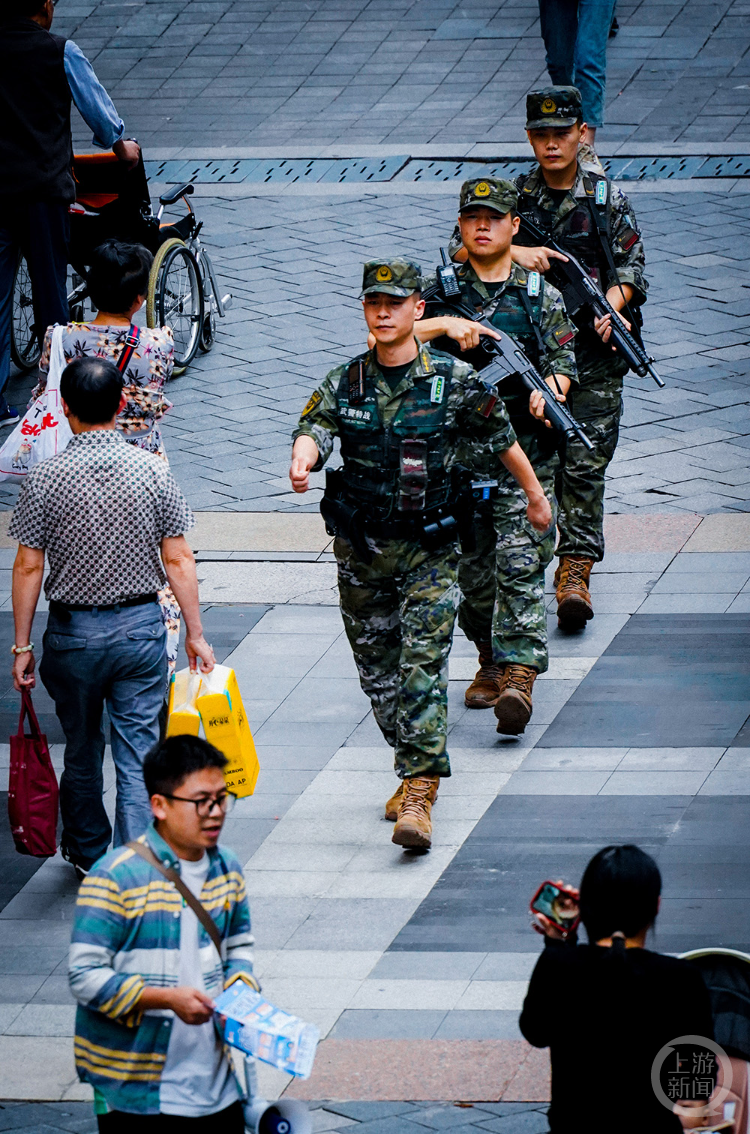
(606, 1009)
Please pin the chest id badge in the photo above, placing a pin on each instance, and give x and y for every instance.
(533, 284)
(601, 192)
(437, 389)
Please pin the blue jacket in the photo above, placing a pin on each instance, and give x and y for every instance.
(126, 935)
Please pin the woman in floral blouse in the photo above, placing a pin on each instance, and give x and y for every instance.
(118, 282)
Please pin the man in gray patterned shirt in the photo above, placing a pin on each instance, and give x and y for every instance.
(108, 515)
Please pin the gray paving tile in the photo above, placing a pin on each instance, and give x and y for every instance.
(479, 1025)
(365, 1023)
(435, 966)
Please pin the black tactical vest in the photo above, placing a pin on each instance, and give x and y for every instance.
(508, 313)
(372, 452)
(577, 231)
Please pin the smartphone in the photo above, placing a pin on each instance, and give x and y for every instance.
(558, 904)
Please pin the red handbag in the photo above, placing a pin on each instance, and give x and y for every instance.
(32, 788)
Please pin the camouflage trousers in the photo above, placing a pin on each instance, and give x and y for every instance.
(597, 405)
(502, 579)
(399, 613)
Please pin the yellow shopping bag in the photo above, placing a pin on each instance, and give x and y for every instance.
(183, 712)
(224, 720)
(213, 700)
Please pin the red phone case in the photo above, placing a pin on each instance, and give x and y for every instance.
(568, 926)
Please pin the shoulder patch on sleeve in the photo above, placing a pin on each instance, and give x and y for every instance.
(315, 398)
(562, 335)
(627, 238)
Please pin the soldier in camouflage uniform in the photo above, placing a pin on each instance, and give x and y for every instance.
(404, 416)
(588, 214)
(502, 579)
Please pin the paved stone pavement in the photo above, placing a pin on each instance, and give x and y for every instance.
(349, 73)
(373, 944)
(369, 1118)
(294, 262)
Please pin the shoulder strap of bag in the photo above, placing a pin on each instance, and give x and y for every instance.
(171, 875)
(131, 342)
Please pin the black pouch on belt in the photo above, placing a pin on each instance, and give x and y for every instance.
(412, 475)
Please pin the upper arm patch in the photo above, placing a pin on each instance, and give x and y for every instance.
(315, 399)
(564, 334)
(627, 238)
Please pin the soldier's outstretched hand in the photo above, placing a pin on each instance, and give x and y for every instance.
(304, 457)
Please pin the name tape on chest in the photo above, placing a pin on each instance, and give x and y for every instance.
(354, 413)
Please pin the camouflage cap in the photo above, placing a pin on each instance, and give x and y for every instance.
(553, 106)
(489, 193)
(392, 277)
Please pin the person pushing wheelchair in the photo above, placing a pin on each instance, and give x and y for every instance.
(41, 74)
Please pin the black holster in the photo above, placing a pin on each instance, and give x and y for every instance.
(342, 518)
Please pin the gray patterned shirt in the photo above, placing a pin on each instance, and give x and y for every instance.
(100, 509)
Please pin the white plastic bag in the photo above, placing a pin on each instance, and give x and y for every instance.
(43, 430)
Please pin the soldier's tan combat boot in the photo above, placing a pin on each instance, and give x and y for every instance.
(393, 804)
(574, 607)
(485, 688)
(414, 824)
(513, 709)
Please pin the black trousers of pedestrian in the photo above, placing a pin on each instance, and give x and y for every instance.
(40, 230)
(229, 1121)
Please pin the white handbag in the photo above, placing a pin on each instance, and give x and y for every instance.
(43, 430)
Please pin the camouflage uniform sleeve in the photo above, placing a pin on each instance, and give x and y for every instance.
(627, 245)
(319, 418)
(558, 333)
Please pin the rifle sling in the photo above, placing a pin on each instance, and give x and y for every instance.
(602, 230)
(543, 356)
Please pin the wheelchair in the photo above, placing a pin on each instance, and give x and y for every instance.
(113, 201)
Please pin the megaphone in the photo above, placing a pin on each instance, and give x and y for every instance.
(285, 1116)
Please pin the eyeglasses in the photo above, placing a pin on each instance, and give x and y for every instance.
(224, 801)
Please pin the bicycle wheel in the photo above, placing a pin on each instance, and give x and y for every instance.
(175, 299)
(24, 347)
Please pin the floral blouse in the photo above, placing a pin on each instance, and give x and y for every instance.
(149, 368)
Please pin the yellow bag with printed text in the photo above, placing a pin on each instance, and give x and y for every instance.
(216, 704)
(183, 712)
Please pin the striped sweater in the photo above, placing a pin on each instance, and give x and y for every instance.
(126, 935)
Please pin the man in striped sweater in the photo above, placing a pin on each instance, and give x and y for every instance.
(144, 970)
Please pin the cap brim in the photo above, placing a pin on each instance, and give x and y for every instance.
(390, 289)
(554, 123)
(486, 205)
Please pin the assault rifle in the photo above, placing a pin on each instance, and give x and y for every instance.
(580, 291)
(506, 358)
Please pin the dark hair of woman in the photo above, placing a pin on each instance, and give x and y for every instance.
(117, 275)
(91, 388)
(620, 892)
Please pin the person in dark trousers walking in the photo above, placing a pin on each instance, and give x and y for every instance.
(41, 74)
(108, 516)
(606, 1009)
